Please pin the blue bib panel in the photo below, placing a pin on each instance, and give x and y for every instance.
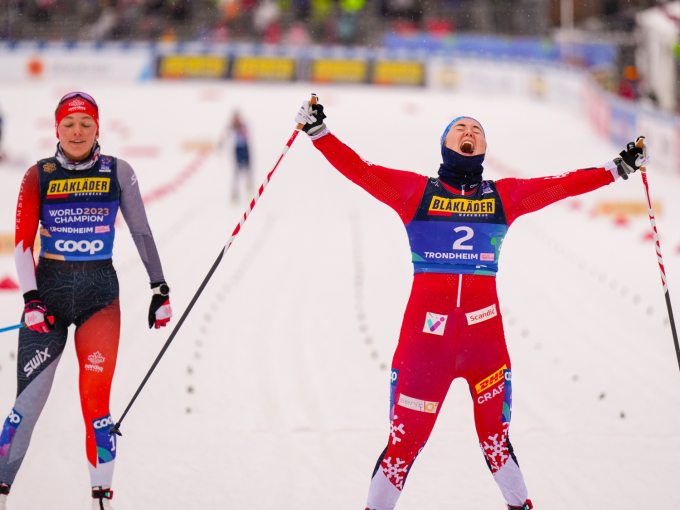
(457, 234)
(78, 210)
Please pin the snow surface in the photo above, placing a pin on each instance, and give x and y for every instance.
(275, 392)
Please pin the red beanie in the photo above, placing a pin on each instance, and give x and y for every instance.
(76, 105)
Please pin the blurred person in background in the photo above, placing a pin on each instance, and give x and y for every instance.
(452, 326)
(237, 131)
(629, 84)
(74, 198)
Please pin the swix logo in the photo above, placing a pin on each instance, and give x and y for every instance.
(103, 422)
(81, 246)
(435, 323)
(481, 315)
(95, 359)
(494, 378)
(36, 361)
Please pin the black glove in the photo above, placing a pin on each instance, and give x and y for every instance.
(632, 158)
(311, 116)
(160, 310)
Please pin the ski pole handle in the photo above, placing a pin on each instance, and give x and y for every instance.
(313, 101)
(49, 318)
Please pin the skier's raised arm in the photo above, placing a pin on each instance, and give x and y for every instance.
(399, 189)
(522, 196)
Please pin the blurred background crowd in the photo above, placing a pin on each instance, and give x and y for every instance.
(416, 24)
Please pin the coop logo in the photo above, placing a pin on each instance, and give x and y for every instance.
(448, 206)
(95, 359)
(81, 246)
(8, 431)
(417, 405)
(494, 378)
(481, 315)
(84, 186)
(36, 361)
(102, 422)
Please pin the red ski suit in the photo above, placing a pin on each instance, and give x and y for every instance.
(424, 365)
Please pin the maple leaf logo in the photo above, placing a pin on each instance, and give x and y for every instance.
(96, 358)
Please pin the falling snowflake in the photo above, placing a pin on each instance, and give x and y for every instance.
(394, 430)
(496, 450)
(393, 471)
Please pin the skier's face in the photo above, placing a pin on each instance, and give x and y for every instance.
(466, 137)
(77, 134)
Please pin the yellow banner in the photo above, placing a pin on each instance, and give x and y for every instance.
(263, 68)
(632, 208)
(193, 66)
(494, 378)
(65, 187)
(448, 206)
(339, 71)
(386, 72)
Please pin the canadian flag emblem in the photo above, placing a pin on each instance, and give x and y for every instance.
(96, 358)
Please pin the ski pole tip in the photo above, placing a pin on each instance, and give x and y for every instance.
(115, 430)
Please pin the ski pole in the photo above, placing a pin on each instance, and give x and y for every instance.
(659, 258)
(24, 325)
(16, 326)
(116, 428)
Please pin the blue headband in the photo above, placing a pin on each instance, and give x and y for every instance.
(446, 131)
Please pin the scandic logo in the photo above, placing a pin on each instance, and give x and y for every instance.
(417, 405)
(65, 187)
(494, 378)
(447, 206)
(481, 315)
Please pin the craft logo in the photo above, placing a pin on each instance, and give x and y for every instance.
(49, 167)
(83, 186)
(441, 206)
(481, 315)
(36, 361)
(417, 405)
(95, 359)
(435, 323)
(8, 430)
(494, 378)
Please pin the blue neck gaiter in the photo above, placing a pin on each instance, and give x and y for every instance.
(460, 171)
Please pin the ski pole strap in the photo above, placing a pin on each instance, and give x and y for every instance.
(4, 488)
(102, 493)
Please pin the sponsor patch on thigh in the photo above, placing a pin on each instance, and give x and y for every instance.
(481, 315)
(435, 323)
(417, 405)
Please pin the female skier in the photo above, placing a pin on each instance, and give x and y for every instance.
(75, 197)
(452, 324)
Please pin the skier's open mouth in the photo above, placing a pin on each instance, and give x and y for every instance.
(467, 147)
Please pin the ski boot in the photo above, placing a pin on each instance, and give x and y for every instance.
(526, 506)
(100, 498)
(4, 491)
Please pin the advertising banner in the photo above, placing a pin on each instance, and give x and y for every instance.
(263, 68)
(192, 66)
(339, 71)
(398, 72)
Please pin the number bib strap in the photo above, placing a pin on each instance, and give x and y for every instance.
(78, 210)
(457, 234)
